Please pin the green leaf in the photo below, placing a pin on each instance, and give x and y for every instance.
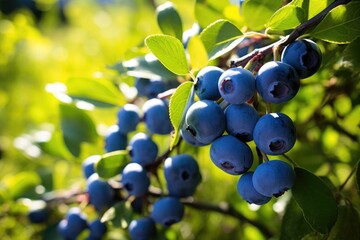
(208, 11)
(197, 53)
(220, 37)
(55, 146)
(99, 92)
(22, 184)
(169, 20)
(316, 6)
(293, 225)
(144, 67)
(352, 55)
(347, 224)
(120, 215)
(180, 101)
(310, 7)
(77, 127)
(316, 201)
(257, 12)
(170, 52)
(285, 18)
(341, 25)
(112, 163)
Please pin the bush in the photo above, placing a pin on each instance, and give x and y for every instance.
(65, 79)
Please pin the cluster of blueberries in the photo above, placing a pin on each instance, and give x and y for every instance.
(224, 117)
(181, 172)
(224, 106)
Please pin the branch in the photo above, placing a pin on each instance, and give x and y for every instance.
(228, 210)
(223, 208)
(297, 32)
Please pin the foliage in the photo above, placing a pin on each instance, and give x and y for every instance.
(64, 77)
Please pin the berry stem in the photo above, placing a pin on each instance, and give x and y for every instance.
(290, 160)
(264, 156)
(268, 107)
(276, 51)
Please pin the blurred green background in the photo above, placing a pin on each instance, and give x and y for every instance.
(41, 51)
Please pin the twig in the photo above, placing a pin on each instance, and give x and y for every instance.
(297, 32)
(341, 187)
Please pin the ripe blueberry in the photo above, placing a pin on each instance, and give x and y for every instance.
(277, 82)
(135, 179)
(273, 178)
(100, 192)
(142, 228)
(274, 133)
(205, 120)
(155, 87)
(247, 191)
(40, 215)
(231, 155)
(97, 229)
(182, 175)
(236, 85)
(189, 138)
(143, 149)
(141, 85)
(241, 120)
(167, 211)
(114, 139)
(128, 118)
(303, 55)
(206, 86)
(74, 223)
(88, 165)
(156, 115)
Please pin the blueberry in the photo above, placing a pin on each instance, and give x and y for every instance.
(100, 192)
(135, 179)
(274, 133)
(155, 87)
(156, 115)
(141, 86)
(237, 85)
(115, 140)
(206, 86)
(128, 118)
(303, 55)
(88, 165)
(241, 120)
(142, 228)
(205, 120)
(63, 230)
(137, 204)
(247, 191)
(143, 149)
(182, 175)
(189, 138)
(231, 155)
(273, 178)
(277, 82)
(97, 229)
(40, 215)
(167, 211)
(74, 223)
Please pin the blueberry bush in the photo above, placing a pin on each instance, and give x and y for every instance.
(183, 119)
